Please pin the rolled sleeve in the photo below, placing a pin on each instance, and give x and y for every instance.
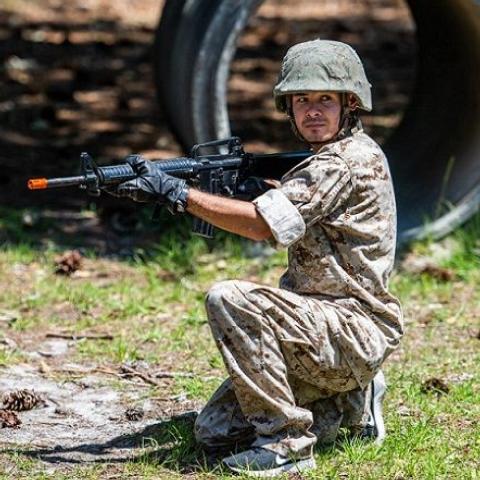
(283, 218)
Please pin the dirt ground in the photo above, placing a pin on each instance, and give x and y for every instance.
(84, 419)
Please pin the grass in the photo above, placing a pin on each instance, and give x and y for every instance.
(153, 304)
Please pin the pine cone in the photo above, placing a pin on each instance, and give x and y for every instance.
(19, 400)
(68, 263)
(9, 419)
(134, 414)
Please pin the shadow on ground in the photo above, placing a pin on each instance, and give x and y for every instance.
(169, 443)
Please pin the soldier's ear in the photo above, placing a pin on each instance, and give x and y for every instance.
(352, 101)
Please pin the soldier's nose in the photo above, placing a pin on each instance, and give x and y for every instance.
(314, 112)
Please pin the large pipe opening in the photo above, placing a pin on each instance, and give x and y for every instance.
(434, 149)
(435, 152)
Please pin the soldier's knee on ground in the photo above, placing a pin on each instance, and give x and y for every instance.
(201, 430)
(209, 430)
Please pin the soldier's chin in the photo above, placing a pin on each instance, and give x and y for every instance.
(314, 138)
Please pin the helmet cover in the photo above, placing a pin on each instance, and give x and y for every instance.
(325, 66)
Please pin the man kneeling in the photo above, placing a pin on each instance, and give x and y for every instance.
(303, 359)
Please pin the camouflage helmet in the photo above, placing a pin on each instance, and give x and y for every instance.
(322, 65)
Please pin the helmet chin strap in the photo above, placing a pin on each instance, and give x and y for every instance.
(293, 125)
(349, 122)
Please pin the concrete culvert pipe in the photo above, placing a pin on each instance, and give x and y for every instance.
(434, 151)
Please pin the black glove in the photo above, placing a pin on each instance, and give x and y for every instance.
(253, 187)
(152, 185)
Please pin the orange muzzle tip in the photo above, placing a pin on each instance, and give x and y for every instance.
(37, 183)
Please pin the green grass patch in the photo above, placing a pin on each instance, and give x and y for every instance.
(153, 305)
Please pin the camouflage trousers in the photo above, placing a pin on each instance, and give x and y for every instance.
(289, 384)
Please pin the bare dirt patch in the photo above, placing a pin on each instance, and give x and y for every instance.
(85, 418)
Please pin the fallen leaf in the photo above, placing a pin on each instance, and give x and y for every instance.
(440, 273)
(436, 385)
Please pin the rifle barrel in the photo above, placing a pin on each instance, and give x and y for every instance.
(42, 183)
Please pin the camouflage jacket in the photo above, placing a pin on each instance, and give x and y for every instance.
(336, 213)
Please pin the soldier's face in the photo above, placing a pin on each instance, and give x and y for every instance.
(317, 115)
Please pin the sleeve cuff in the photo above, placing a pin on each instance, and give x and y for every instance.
(283, 218)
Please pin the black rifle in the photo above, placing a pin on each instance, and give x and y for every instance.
(218, 173)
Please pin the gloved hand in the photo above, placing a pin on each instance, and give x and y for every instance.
(152, 185)
(253, 187)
